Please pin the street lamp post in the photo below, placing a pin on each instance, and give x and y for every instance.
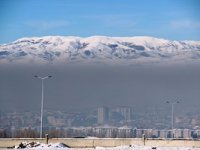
(42, 101)
(172, 115)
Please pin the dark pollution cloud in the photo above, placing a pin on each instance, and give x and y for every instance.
(83, 87)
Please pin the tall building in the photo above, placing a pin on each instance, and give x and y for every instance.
(102, 115)
(126, 112)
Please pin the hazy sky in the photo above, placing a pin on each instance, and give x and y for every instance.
(171, 19)
(73, 87)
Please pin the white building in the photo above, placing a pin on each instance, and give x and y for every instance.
(102, 115)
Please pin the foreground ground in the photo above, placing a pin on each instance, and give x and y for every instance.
(60, 146)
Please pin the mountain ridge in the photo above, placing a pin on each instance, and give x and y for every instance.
(98, 49)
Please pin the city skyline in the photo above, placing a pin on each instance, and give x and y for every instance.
(154, 124)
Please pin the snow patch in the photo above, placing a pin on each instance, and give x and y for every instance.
(37, 145)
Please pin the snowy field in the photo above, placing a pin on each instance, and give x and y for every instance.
(114, 148)
(60, 146)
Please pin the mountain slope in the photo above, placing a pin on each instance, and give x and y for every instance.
(98, 49)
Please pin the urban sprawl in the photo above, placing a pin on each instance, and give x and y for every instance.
(103, 122)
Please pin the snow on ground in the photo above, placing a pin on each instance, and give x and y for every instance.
(135, 147)
(37, 145)
(61, 146)
(56, 147)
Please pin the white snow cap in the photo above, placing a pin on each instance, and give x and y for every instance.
(98, 49)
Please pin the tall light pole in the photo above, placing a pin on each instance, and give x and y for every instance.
(42, 101)
(172, 117)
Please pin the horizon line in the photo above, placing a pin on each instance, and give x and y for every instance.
(98, 35)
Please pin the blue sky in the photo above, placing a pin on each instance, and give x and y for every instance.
(171, 19)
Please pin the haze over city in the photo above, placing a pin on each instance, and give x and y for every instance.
(122, 56)
(92, 86)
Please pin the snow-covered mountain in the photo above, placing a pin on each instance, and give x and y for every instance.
(98, 49)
